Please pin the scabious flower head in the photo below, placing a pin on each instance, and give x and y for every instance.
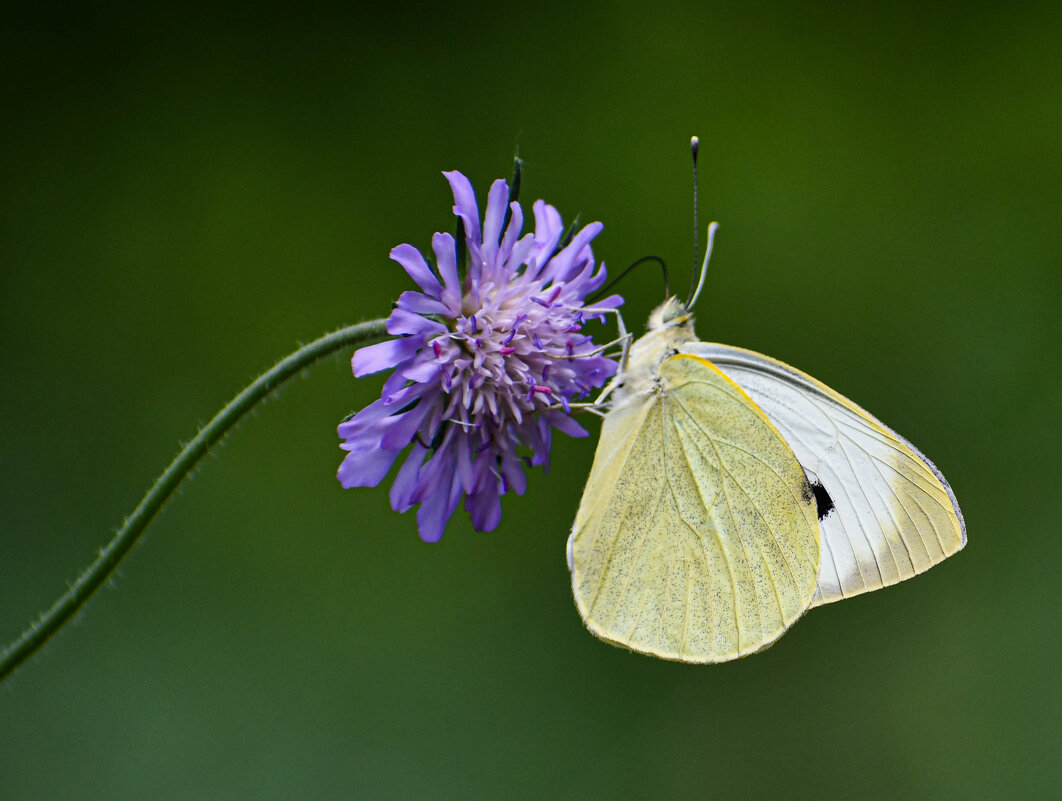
(485, 365)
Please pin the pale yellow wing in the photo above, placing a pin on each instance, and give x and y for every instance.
(697, 537)
(887, 512)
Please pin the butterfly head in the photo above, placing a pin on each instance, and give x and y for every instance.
(672, 313)
(670, 327)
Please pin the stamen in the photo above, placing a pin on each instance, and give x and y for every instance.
(545, 374)
(438, 351)
(506, 351)
(541, 389)
(537, 341)
(569, 347)
(520, 318)
(475, 326)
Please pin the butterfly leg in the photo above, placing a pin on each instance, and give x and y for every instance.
(625, 338)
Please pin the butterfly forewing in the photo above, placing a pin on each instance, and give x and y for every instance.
(697, 536)
(893, 514)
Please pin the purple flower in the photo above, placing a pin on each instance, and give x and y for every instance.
(484, 366)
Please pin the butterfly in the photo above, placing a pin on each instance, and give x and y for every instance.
(731, 493)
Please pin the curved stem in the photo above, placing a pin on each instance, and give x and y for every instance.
(97, 573)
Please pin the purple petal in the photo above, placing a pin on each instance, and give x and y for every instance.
(566, 424)
(563, 266)
(437, 469)
(422, 371)
(464, 464)
(611, 302)
(413, 263)
(548, 230)
(485, 507)
(419, 303)
(382, 355)
(512, 469)
(497, 200)
(538, 438)
(512, 232)
(405, 427)
(366, 418)
(406, 480)
(437, 508)
(446, 258)
(378, 410)
(522, 250)
(365, 469)
(591, 282)
(465, 204)
(407, 322)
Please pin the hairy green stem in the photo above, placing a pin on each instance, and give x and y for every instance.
(97, 573)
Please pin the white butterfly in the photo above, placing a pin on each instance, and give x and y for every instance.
(730, 493)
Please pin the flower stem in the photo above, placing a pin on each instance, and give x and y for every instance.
(41, 630)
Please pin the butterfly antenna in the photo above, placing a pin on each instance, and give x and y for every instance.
(695, 143)
(663, 268)
(695, 291)
(704, 265)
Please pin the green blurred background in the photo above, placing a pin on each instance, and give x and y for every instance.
(188, 194)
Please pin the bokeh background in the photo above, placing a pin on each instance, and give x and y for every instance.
(188, 194)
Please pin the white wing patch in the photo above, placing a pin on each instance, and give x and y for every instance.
(893, 515)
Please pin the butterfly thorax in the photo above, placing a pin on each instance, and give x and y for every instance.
(670, 327)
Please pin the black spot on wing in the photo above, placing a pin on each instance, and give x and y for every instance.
(823, 501)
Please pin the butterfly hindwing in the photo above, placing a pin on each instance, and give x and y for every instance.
(886, 512)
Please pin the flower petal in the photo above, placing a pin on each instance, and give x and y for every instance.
(512, 232)
(422, 371)
(376, 413)
(405, 429)
(512, 469)
(446, 258)
(419, 303)
(413, 263)
(565, 265)
(402, 321)
(611, 302)
(497, 200)
(465, 204)
(406, 480)
(548, 231)
(437, 508)
(484, 507)
(566, 424)
(464, 464)
(382, 355)
(365, 469)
